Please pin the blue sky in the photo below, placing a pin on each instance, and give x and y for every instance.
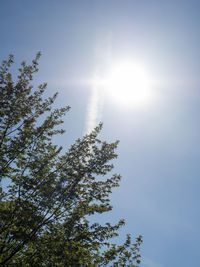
(159, 151)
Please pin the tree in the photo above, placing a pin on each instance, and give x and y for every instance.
(48, 196)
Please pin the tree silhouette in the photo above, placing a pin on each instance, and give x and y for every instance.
(47, 197)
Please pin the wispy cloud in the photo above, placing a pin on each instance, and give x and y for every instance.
(95, 104)
(94, 108)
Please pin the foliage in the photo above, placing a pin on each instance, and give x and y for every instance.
(48, 196)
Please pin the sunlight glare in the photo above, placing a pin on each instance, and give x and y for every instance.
(129, 85)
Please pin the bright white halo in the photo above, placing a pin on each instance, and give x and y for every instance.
(129, 84)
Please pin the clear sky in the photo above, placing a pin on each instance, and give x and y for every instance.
(159, 151)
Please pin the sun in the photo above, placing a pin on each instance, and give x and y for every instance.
(129, 84)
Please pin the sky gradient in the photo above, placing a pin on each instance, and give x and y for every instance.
(159, 150)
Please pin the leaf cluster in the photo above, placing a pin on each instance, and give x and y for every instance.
(47, 197)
